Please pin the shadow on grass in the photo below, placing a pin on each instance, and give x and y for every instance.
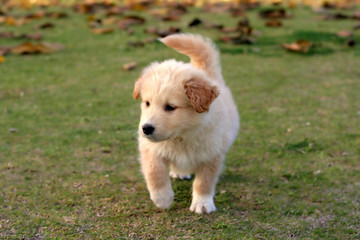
(304, 146)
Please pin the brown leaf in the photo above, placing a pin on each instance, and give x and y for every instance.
(4, 50)
(273, 13)
(131, 20)
(37, 15)
(356, 15)
(115, 11)
(6, 34)
(274, 23)
(38, 48)
(298, 46)
(102, 30)
(91, 18)
(337, 16)
(46, 25)
(151, 30)
(167, 31)
(217, 7)
(195, 22)
(130, 66)
(351, 43)
(237, 39)
(238, 11)
(109, 21)
(150, 40)
(169, 18)
(31, 36)
(54, 46)
(24, 48)
(344, 34)
(136, 44)
(56, 15)
(11, 21)
(229, 29)
(130, 31)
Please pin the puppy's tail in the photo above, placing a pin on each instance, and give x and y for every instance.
(202, 52)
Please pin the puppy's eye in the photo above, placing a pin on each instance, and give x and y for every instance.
(147, 103)
(169, 108)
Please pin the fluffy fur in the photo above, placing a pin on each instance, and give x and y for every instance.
(188, 122)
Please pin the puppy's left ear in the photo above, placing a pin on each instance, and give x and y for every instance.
(136, 92)
(201, 94)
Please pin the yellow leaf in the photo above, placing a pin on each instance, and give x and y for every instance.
(102, 30)
(130, 66)
(298, 46)
(2, 59)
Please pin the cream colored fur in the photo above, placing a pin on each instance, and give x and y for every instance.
(188, 121)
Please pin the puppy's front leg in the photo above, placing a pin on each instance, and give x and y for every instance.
(206, 177)
(156, 173)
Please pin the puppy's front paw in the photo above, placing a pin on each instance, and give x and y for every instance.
(162, 198)
(203, 204)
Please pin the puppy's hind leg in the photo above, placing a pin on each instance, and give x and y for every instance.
(206, 177)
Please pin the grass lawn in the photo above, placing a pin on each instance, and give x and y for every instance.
(68, 141)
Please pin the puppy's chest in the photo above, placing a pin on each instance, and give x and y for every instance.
(186, 155)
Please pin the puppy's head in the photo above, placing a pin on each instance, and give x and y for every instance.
(175, 97)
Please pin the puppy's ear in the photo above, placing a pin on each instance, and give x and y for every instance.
(136, 92)
(201, 94)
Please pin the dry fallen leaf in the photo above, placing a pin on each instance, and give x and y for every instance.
(351, 43)
(4, 50)
(274, 23)
(237, 39)
(109, 21)
(54, 46)
(298, 46)
(36, 15)
(11, 21)
(102, 30)
(2, 59)
(195, 22)
(136, 44)
(6, 34)
(130, 66)
(29, 48)
(273, 13)
(30, 36)
(56, 15)
(38, 48)
(115, 11)
(344, 34)
(131, 20)
(168, 31)
(46, 25)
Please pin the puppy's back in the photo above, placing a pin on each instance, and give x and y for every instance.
(202, 52)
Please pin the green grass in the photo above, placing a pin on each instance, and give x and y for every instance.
(69, 170)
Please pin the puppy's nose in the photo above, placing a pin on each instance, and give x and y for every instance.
(148, 129)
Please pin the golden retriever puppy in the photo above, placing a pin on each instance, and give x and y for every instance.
(188, 121)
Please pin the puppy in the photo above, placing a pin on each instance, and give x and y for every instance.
(188, 121)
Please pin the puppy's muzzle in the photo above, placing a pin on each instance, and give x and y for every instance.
(148, 129)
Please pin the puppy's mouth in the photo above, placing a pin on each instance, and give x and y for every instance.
(151, 133)
(155, 138)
